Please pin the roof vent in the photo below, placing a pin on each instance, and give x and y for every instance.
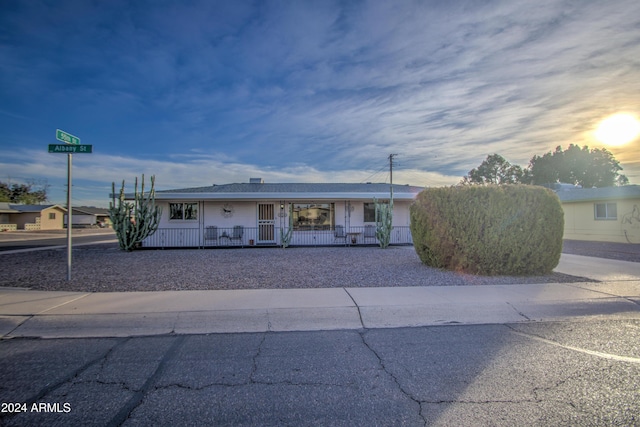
(256, 181)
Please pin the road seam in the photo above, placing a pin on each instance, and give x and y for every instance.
(63, 303)
(518, 311)
(357, 307)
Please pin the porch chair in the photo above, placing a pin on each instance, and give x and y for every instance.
(369, 232)
(211, 233)
(238, 232)
(340, 234)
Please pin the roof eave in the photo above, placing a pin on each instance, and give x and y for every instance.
(285, 196)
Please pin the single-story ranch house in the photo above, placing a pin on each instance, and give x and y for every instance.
(609, 214)
(258, 213)
(89, 216)
(49, 217)
(31, 217)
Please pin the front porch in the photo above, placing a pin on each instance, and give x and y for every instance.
(240, 236)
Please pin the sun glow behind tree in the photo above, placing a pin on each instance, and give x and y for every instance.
(618, 129)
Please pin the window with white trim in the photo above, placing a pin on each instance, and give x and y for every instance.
(370, 211)
(606, 211)
(313, 216)
(183, 211)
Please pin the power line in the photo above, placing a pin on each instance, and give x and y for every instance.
(369, 178)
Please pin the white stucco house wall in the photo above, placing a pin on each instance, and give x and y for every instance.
(257, 213)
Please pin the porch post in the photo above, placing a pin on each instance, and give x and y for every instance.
(201, 224)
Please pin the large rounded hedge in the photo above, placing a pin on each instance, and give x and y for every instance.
(491, 230)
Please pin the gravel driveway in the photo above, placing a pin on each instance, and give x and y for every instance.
(105, 268)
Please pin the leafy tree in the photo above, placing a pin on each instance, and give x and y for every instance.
(5, 192)
(23, 193)
(581, 166)
(494, 170)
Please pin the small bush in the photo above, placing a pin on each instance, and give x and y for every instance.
(491, 230)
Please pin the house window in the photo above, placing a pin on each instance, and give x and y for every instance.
(313, 216)
(186, 211)
(370, 212)
(52, 215)
(606, 211)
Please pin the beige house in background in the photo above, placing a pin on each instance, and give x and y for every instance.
(610, 214)
(5, 211)
(31, 217)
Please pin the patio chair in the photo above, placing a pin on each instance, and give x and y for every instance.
(211, 233)
(340, 234)
(369, 233)
(238, 232)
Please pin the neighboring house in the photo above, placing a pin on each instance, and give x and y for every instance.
(610, 214)
(5, 218)
(258, 213)
(85, 216)
(34, 217)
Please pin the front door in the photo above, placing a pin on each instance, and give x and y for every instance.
(266, 223)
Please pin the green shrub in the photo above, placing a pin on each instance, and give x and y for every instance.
(492, 230)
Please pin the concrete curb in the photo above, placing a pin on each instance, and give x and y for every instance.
(25, 313)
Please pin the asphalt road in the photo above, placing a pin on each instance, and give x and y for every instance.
(22, 240)
(580, 372)
(534, 374)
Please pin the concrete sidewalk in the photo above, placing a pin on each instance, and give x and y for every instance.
(27, 313)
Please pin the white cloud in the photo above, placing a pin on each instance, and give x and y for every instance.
(316, 91)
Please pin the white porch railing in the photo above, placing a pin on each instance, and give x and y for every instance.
(250, 236)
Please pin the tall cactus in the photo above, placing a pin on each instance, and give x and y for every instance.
(384, 221)
(285, 237)
(133, 222)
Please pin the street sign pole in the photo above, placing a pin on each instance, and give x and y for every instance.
(71, 145)
(69, 214)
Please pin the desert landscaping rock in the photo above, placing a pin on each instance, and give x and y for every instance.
(105, 268)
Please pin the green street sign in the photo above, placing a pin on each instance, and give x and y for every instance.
(69, 148)
(67, 137)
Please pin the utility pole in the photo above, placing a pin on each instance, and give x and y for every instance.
(391, 156)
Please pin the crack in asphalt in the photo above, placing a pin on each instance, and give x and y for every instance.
(135, 401)
(249, 383)
(254, 361)
(393, 377)
(70, 377)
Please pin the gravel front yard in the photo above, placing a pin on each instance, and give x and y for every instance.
(105, 268)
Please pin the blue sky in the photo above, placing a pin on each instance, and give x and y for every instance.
(201, 92)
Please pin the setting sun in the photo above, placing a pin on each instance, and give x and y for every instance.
(618, 129)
